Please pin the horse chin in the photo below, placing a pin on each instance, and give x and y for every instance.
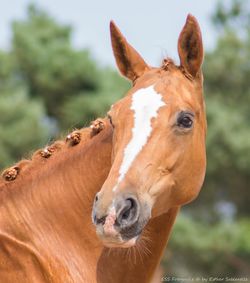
(120, 244)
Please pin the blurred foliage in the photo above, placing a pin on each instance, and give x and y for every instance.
(47, 62)
(87, 105)
(47, 86)
(197, 250)
(227, 92)
(22, 126)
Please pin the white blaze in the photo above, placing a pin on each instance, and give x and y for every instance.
(145, 104)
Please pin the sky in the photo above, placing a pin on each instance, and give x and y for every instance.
(152, 27)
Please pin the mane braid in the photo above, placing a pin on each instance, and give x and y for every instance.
(27, 169)
(168, 64)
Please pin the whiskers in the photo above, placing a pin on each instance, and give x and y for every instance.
(136, 254)
(140, 251)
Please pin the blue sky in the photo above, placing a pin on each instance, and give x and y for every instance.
(152, 27)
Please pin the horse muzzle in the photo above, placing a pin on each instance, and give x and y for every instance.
(123, 222)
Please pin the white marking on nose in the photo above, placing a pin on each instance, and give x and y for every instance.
(145, 104)
(108, 226)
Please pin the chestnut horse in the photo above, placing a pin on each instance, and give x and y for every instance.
(158, 158)
(46, 233)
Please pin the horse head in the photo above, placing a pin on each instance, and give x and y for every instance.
(159, 129)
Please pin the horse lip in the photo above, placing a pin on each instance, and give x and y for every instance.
(118, 239)
(121, 244)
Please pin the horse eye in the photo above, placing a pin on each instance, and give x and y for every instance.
(185, 120)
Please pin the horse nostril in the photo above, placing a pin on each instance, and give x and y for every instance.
(128, 212)
(99, 220)
(96, 197)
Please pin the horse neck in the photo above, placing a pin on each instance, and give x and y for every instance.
(58, 197)
(57, 204)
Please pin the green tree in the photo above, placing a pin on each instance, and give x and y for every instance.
(44, 81)
(221, 250)
(23, 126)
(227, 91)
(72, 86)
(47, 62)
(88, 105)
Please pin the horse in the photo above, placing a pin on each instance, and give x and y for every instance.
(158, 152)
(46, 233)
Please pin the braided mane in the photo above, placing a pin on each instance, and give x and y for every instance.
(26, 169)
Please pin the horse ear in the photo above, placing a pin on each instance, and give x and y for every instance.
(128, 60)
(190, 46)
